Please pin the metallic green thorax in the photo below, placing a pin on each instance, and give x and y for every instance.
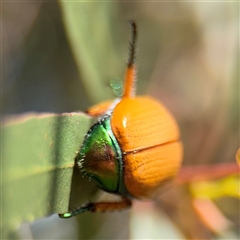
(100, 157)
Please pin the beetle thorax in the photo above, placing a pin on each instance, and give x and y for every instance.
(100, 157)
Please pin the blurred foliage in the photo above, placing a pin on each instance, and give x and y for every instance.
(227, 186)
(59, 57)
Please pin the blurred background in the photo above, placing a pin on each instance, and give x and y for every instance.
(62, 56)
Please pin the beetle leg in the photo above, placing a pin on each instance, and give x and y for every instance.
(111, 206)
(100, 207)
(99, 109)
(130, 76)
(84, 208)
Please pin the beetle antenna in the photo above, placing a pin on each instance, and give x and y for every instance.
(130, 77)
(132, 48)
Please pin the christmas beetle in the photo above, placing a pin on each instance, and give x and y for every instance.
(133, 149)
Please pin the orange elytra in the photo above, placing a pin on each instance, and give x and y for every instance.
(133, 149)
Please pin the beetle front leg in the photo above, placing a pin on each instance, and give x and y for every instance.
(100, 108)
(100, 207)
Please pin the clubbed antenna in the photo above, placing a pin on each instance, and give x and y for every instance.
(130, 78)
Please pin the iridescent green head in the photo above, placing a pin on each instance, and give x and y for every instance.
(100, 157)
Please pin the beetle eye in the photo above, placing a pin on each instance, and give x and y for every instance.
(98, 158)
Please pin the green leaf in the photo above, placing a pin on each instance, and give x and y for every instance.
(37, 165)
(93, 45)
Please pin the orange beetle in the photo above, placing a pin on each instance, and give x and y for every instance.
(133, 149)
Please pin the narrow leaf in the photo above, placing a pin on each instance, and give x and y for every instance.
(37, 164)
(92, 44)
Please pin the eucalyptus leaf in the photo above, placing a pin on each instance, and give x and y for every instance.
(37, 164)
(93, 45)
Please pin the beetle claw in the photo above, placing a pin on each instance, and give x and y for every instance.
(84, 208)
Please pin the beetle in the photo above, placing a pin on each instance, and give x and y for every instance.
(133, 149)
